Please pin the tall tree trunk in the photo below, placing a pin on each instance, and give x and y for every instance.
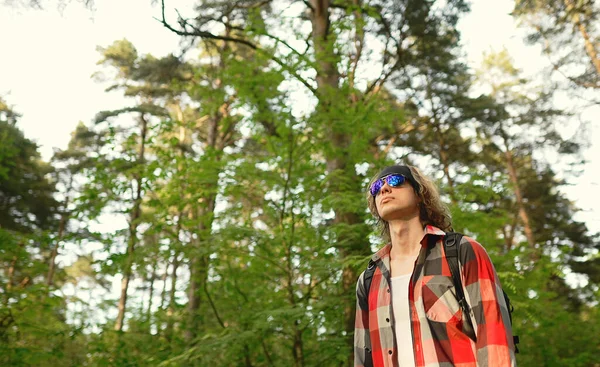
(198, 274)
(247, 360)
(359, 40)
(163, 293)
(290, 241)
(508, 232)
(327, 73)
(64, 217)
(590, 48)
(199, 263)
(298, 346)
(133, 225)
(514, 179)
(445, 161)
(439, 131)
(10, 274)
(149, 310)
(183, 133)
(163, 297)
(171, 307)
(328, 78)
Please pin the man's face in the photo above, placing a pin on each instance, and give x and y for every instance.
(396, 203)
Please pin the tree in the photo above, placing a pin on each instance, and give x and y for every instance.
(128, 172)
(26, 202)
(524, 120)
(70, 165)
(343, 116)
(33, 330)
(568, 35)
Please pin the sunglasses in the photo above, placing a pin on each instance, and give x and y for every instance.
(393, 180)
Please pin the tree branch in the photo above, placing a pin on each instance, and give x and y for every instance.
(196, 32)
(212, 305)
(266, 351)
(376, 85)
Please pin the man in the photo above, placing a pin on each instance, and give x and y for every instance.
(412, 317)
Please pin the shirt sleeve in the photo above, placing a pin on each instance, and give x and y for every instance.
(362, 339)
(489, 312)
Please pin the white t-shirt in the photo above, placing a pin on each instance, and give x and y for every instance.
(406, 357)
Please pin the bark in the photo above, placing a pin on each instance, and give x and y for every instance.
(590, 48)
(133, 225)
(217, 138)
(298, 347)
(514, 179)
(327, 73)
(511, 236)
(199, 263)
(328, 77)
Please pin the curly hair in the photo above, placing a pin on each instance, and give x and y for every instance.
(432, 210)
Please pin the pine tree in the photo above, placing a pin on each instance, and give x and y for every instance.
(568, 35)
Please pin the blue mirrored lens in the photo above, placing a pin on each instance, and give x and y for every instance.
(376, 186)
(395, 180)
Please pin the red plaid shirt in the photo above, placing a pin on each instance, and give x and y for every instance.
(439, 337)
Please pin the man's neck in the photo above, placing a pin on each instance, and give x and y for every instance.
(406, 237)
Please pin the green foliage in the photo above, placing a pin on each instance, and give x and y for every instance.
(235, 187)
(27, 201)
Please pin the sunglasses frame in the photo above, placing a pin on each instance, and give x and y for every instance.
(381, 181)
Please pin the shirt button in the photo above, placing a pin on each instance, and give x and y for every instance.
(388, 290)
(387, 319)
(390, 352)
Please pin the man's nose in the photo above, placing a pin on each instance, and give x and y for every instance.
(385, 188)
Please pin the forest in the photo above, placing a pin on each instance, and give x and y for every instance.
(221, 213)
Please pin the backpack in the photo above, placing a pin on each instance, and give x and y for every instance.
(451, 244)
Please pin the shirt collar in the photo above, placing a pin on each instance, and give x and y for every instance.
(429, 229)
(385, 251)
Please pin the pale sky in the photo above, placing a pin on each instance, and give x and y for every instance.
(48, 59)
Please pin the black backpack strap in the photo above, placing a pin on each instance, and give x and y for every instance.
(364, 303)
(510, 311)
(451, 246)
(368, 277)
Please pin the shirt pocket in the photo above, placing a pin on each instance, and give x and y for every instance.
(439, 300)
